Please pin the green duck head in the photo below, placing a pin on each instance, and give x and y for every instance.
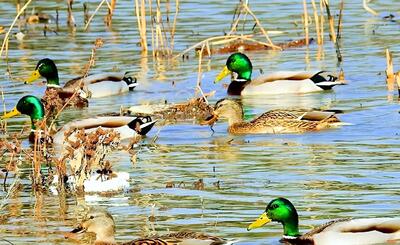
(45, 68)
(239, 64)
(279, 210)
(28, 105)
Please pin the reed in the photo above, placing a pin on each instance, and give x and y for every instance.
(317, 23)
(140, 10)
(390, 76)
(7, 36)
(70, 19)
(108, 17)
(243, 10)
(306, 21)
(94, 13)
(331, 22)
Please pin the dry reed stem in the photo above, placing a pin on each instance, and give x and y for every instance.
(321, 5)
(140, 10)
(368, 9)
(317, 23)
(94, 13)
(111, 8)
(261, 28)
(340, 21)
(390, 77)
(174, 24)
(224, 39)
(199, 73)
(331, 22)
(71, 19)
(98, 43)
(7, 36)
(306, 21)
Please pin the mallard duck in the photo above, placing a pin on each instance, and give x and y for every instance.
(126, 126)
(98, 85)
(275, 83)
(274, 121)
(101, 223)
(342, 231)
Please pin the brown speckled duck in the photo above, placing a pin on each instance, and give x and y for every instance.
(274, 121)
(101, 223)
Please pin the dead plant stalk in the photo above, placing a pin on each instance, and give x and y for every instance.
(7, 36)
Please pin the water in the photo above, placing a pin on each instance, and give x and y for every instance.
(347, 172)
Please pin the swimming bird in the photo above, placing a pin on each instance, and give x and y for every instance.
(98, 85)
(341, 231)
(126, 126)
(241, 68)
(274, 121)
(101, 223)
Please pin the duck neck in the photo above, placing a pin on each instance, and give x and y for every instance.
(291, 228)
(235, 118)
(105, 238)
(53, 81)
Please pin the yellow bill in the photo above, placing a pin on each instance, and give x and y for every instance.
(34, 76)
(14, 112)
(261, 221)
(225, 72)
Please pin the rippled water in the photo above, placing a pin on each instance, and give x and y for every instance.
(347, 172)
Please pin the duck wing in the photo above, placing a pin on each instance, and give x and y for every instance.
(94, 78)
(283, 75)
(359, 231)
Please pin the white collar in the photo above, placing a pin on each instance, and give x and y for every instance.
(53, 86)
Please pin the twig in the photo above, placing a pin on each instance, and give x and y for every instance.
(370, 10)
(7, 36)
(306, 21)
(261, 28)
(94, 13)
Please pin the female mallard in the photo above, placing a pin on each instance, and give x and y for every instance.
(99, 85)
(274, 121)
(101, 223)
(275, 83)
(126, 126)
(342, 231)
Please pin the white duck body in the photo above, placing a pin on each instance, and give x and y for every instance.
(97, 183)
(360, 231)
(117, 123)
(104, 84)
(283, 82)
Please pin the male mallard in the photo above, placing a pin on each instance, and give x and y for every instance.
(101, 223)
(98, 85)
(274, 121)
(275, 83)
(126, 126)
(342, 231)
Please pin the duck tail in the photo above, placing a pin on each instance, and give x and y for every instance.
(131, 81)
(326, 80)
(142, 125)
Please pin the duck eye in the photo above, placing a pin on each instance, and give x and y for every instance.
(91, 217)
(274, 206)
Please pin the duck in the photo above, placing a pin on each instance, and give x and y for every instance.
(95, 86)
(281, 82)
(126, 126)
(101, 223)
(340, 231)
(274, 121)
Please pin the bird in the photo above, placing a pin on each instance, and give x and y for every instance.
(282, 82)
(274, 121)
(101, 222)
(341, 231)
(91, 86)
(126, 126)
